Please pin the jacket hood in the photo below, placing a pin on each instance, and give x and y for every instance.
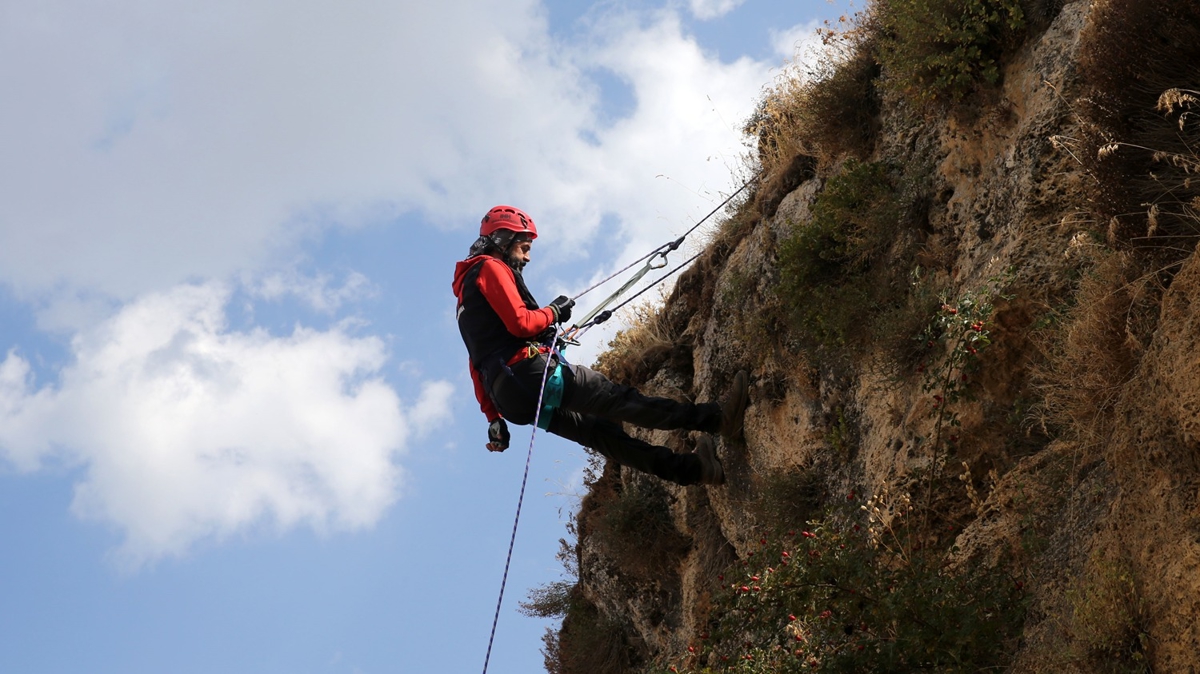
(461, 269)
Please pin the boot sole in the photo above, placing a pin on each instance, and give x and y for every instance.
(711, 470)
(733, 415)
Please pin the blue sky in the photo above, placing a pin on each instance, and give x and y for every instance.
(236, 430)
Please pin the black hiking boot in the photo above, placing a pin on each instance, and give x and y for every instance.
(711, 471)
(733, 410)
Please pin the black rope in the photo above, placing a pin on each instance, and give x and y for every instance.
(671, 245)
(607, 314)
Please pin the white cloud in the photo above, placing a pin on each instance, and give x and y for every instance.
(799, 43)
(317, 291)
(187, 431)
(712, 9)
(148, 144)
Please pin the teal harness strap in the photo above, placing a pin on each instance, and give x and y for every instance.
(552, 397)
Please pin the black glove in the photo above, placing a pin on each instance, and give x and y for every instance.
(561, 307)
(498, 436)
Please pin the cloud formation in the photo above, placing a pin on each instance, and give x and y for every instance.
(198, 141)
(186, 431)
(155, 151)
(317, 291)
(711, 9)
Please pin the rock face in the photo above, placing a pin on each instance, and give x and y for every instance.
(1002, 218)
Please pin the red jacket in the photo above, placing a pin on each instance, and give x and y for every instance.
(512, 317)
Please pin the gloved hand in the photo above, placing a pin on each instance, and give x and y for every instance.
(498, 436)
(561, 306)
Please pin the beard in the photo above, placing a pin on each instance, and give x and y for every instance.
(517, 264)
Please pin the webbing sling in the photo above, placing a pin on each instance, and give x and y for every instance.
(551, 397)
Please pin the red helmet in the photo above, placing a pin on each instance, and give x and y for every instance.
(507, 217)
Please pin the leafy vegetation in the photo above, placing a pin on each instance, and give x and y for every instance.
(852, 595)
(962, 328)
(834, 293)
(1107, 619)
(942, 50)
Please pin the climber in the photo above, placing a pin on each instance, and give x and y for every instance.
(507, 336)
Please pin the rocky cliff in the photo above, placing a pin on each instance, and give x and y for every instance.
(965, 295)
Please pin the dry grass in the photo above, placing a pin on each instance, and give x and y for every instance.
(1095, 352)
(634, 350)
(815, 114)
(1140, 142)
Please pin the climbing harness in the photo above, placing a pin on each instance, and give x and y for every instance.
(551, 391)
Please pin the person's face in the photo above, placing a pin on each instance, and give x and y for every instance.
(520, 252)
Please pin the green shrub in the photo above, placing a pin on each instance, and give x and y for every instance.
(942, 50)
(825, 264)
(1108, 619)
(587, 643)
(834, 599)
(636, 530)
